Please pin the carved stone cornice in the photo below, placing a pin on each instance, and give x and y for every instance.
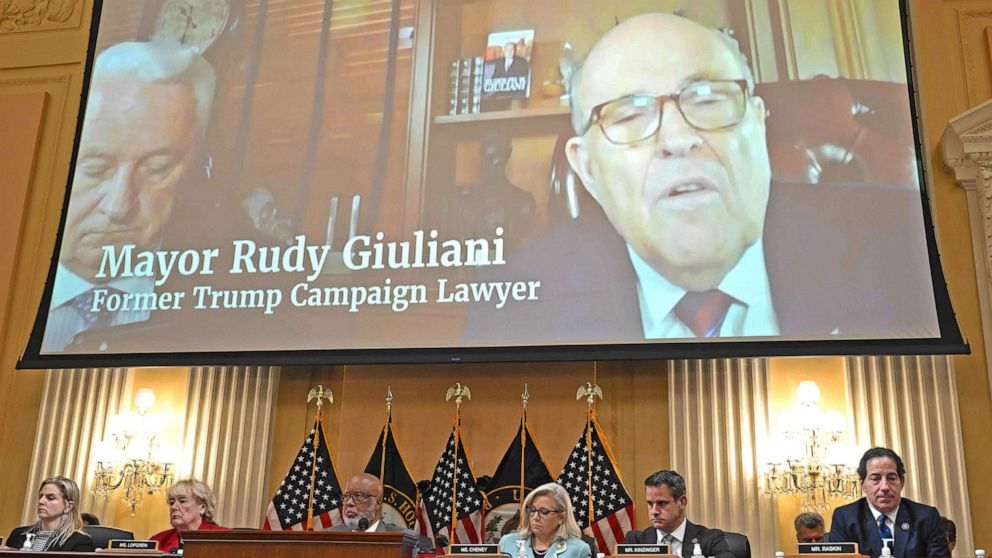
(38, 15)
(966, 148)
(966, 143)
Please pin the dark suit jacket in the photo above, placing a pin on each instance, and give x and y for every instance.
(923, 534)
(383, 527)
(711, 541)
(77, 542)
(519, 67)
(832, 253)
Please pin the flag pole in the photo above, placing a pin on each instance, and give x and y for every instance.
(590, 391)
(319, 393)
(457, 391)
(523, 447)
(385, 431)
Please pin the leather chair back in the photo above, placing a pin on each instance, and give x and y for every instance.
(738, 544)
(102, 535)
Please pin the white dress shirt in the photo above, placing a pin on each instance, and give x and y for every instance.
(890, 521)
(750, 314)
(678, 535)
(65, 321)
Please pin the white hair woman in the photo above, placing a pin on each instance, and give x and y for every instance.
(547, 527)
(58, 525)
(191, 508)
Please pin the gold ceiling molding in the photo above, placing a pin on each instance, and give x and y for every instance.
(972, 26)
(39, 15)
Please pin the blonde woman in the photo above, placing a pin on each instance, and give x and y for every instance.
(58, 525)
(547, 527)
(191, 508)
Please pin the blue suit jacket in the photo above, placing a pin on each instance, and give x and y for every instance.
(572, 547)
(918, 530)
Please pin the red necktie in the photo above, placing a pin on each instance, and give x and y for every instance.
(703, 312)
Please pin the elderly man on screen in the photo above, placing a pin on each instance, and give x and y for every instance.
(884, 518)
(146, 115)
(688, 236)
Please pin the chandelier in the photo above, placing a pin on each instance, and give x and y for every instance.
(809, 460)
(129, 460)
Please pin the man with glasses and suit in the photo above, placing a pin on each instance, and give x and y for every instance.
(664, 492)
(362, 500)
(688, 236)
(884, 517)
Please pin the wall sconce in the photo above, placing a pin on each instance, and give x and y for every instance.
(130, 458)
(809, 460)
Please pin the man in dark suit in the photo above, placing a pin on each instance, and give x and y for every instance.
(883, 516)
(362, 499)
(687, 236)
(666, 500)
(511, 65)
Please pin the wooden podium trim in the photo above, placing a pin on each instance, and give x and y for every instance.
(288, 537)
(292, 544)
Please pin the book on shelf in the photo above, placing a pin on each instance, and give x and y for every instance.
(507, 72)
(465, 86)
(453, 87)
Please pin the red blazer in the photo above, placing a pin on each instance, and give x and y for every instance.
(169, 540)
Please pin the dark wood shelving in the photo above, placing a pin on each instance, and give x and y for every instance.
(513, 114)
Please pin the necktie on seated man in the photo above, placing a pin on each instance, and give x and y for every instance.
(703, 312)
(883, 529)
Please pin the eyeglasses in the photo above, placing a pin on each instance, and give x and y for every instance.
(356, 497)
(706, 105)
(541, 512)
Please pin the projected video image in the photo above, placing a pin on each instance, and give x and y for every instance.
(259, 176)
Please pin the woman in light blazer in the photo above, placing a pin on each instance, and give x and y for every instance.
(547, 527)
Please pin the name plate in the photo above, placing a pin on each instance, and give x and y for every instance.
(474, 549)
(828, 548)
(643, 549)
(122, 544)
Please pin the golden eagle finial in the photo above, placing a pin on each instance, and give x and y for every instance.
(320, 393)
(458, 391)
(590, 391)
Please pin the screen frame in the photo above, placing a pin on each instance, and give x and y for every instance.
(950, 341)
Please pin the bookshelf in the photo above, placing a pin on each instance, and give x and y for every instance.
(557, 113)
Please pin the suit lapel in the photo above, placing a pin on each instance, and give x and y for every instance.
(870, 529)
(903, 517)
(692, 532)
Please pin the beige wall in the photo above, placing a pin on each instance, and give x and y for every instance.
(953, 62)
(46, 59)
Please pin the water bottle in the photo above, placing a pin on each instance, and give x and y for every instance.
(28, 541)
(779, 554)
(697, 551)
(521, 549)
(886, 551)
(979, 553)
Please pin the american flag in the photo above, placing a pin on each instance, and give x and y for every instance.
(612, 507)
(436, 502)
(290, 506)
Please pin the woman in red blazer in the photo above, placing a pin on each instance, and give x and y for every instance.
(191, 508)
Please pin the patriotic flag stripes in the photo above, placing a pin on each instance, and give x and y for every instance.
(453, 473)
(608, 508)
(289, 508)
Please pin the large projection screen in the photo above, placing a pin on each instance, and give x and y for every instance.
(455, 180)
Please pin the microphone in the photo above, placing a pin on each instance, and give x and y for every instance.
(363, 524)
(441, 541)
